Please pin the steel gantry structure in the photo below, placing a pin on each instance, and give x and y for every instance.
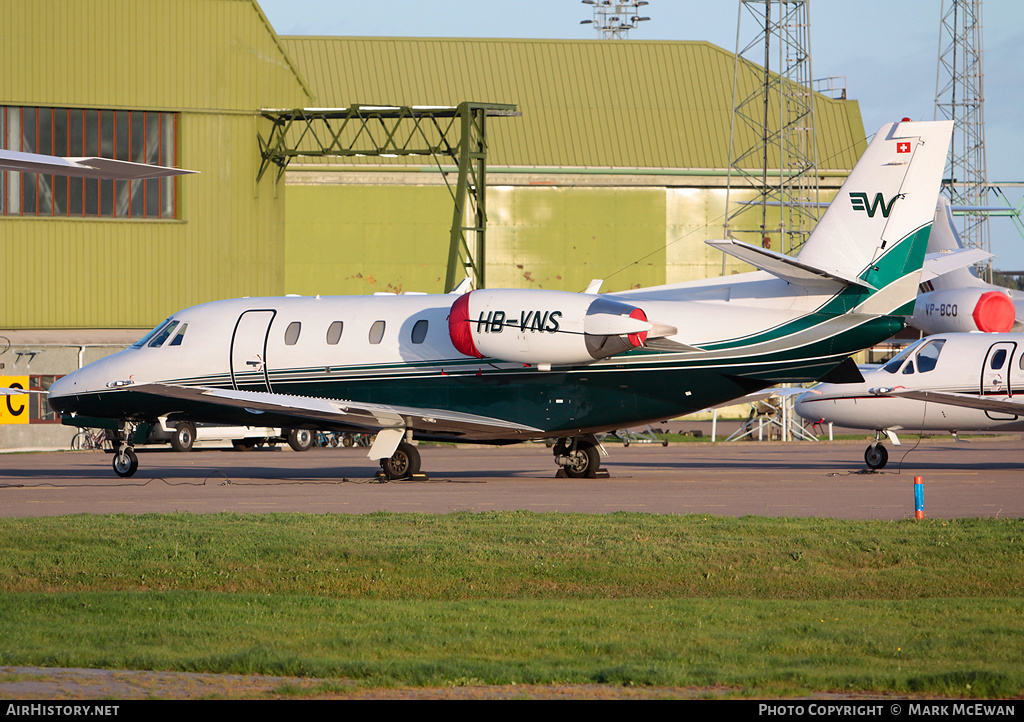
(458, 133)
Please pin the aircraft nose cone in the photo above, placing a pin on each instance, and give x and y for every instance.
(62, 386)
(803, 404)
(87, 379)
(61, 390)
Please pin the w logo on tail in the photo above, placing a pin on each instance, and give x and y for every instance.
(860, 203)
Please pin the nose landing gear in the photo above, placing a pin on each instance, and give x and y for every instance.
(126, 463)
(876, 456)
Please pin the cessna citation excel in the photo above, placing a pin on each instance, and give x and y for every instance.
(503, 366)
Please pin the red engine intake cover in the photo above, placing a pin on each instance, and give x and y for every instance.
(459, 330)
(638, 339)
(994, 312)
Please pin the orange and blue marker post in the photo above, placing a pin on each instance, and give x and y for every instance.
(918, 497)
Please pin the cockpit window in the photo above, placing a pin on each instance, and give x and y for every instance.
(176, 341)
(893, 365)
(928, 356)
(148, 337)
(163, 335)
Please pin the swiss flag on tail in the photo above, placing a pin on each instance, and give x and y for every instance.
(903, 146)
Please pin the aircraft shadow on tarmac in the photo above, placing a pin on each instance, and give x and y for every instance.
(274, 466)
(215, 466)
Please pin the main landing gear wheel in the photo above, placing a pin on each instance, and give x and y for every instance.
(579, 459)
(403, 463)
(300, 439)
(184, 436)
(875, 456)
(126, 463)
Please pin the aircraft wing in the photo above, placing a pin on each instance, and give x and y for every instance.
(1004, 405)
(358, 414)
(106, 168)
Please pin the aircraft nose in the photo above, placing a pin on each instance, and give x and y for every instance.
(87, 379)
(62, 390)
(803, 404)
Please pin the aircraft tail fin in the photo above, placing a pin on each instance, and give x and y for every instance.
(946, 245)
(876, 228)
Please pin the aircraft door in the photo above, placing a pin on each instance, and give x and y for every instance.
(995, 375)
(249, 351)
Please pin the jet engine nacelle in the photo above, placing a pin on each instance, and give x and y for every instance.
(963, 309)
(540, 327)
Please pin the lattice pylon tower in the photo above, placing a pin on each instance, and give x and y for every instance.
(960, 97)
(772, 142)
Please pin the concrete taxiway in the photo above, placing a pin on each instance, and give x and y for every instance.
(977, 479)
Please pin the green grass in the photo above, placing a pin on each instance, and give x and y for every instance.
(763, 606)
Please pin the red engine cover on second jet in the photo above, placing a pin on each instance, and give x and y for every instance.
(994, 313)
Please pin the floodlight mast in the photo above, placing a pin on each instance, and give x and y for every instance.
(774, 155)
(614, 20)
(960, 97)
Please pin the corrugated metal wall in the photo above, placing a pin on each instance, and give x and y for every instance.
(216, 62)
(213, 55)
(586, 105)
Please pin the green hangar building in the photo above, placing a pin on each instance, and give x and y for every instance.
(614, 168)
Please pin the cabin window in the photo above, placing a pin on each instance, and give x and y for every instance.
(928, 356)
(164, 334)
(176, 341)
(377, 332)
(334, 332)
(132, 135)
(291, 334)
(998, 359)
(419, 331)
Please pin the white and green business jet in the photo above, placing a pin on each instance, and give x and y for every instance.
(502, 366)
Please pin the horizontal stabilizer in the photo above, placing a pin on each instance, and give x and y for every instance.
(941, 263)
(785, 267)
(103, 168)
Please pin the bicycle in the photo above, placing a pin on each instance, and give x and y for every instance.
(90, 439)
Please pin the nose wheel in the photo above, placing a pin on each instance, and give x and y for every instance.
(876, 456)
(126, 462)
